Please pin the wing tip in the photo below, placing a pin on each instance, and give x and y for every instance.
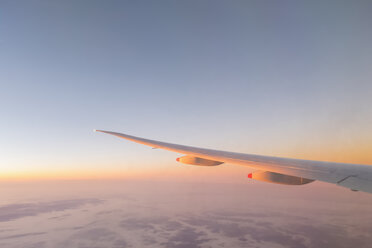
(97, 130)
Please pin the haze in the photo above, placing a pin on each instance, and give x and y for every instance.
(288, 78)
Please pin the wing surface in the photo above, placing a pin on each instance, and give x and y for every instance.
(353, 176)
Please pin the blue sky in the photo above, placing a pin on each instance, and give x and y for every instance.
(281, 78)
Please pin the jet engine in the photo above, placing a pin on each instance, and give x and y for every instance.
(197, 161)
(273, 177)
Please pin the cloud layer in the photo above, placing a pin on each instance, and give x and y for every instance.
(166, 216)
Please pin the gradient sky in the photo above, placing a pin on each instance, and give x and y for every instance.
(282, 78)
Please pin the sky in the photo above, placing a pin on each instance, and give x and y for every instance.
(288, 78)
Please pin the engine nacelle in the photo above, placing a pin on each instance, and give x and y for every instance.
(198, 161)
(273, 177)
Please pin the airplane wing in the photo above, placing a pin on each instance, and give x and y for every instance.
(270, 169)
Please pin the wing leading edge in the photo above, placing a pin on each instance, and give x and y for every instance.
(353, 176)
